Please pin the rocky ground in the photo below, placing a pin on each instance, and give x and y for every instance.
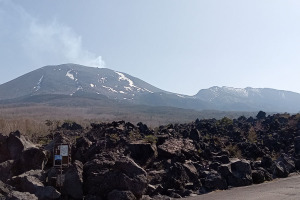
(120, 160)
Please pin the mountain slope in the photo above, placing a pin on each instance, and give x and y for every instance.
(249, 99)
(69, 79)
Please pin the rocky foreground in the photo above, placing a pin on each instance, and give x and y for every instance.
(119, 160)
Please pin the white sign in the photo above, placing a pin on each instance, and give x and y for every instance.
(64, 150)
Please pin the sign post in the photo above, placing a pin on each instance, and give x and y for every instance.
(61, 159)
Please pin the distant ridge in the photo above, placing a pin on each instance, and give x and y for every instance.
(101, 83)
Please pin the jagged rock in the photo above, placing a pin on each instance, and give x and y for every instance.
(174, 147)
(214, 165)
(297, 164)
(6, 170)
(102, 176)
(120, 195)
(241, 174)
(297, 145)
(288, 162)
(224, 170)
(161, 139)
(71, 126)
(143, 128)
(156, 177)
(4, 189)
(195, 135)
(28, 182)
(214, 181)
(31, 159)
(4, 152)
(142, 153)
(252, 151)
(178, 175)
(266, 162)
(258, 176)
(280, 170)
(193, 174)
(82, 146)
(72, 186)
(224, 159)
(16, 195)
(16, 144)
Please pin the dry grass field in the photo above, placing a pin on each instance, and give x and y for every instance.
(31, 118)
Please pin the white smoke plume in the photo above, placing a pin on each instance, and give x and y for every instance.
(44, 43)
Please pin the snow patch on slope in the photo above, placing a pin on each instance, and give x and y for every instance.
(38, 85)
(78, 88)
(109, 89)
(131, 86)
(70, 75)
(236, 91)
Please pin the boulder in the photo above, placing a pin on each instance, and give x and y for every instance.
(215, 181)
(280, 170)
(195, 135)
(4, 152)
(192, 174)
(28, 182)
(4, 189)
(142, 153)
(120, 195)
(175, 147)
(31, 159)
(297, 145)
(16, 195)
(81, 147)
(288, 162)
(72, 186)
(102, 176)
(266, 162)
(224, 159)
(179, 175)
(258, 176)
(297, 164)
(16, 144)
(73, 126)
(6, 170)
(225, 170)
(156, 177)
(241, 174)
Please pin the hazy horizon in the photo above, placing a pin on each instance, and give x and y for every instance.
(177, 46)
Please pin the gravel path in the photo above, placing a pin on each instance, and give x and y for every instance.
(279, 189)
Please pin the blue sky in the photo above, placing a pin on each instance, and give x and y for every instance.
(176, 45)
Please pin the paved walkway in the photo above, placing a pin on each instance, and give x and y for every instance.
(279, 189)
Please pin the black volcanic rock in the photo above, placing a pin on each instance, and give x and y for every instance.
(73, 181)
(142, 153)
(177, 165)
(16, 144)
(102, 177)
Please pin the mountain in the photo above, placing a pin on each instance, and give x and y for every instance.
(250, 99)
(70, 79)
(76, 80)
(63, 83)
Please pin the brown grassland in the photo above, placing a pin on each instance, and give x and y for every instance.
(30, 119)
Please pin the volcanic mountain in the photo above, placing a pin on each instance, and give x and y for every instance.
(72, 80)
